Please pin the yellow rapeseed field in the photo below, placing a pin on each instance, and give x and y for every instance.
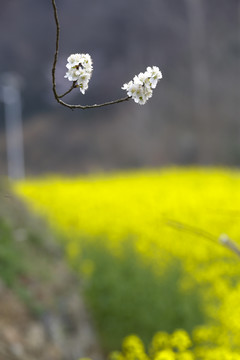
(166, 214)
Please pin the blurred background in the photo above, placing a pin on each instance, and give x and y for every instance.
(193, 117)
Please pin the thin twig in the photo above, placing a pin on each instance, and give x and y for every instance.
(83, 107)
(68, 91)
(190, 229)
(222, 240)
(56, 49)
(57, 97)
(230, 244)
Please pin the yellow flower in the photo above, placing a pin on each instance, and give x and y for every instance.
(116, 355)
(133, 345)
(180, 340)
(185, 355)
(160, 341)
(167, 354)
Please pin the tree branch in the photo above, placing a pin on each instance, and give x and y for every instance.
(230, 244)
(58, 97)
(68, 91)
(223, 239)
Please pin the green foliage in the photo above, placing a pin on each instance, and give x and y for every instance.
(126, 296)
(27, 251)
(11, 261)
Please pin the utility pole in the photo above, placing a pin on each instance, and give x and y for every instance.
(11, 99)
(200, 76)
(198, 36)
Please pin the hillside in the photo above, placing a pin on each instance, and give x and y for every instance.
(42, 313)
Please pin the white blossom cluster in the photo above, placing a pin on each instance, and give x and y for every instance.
(140, 89)
(79, 70)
